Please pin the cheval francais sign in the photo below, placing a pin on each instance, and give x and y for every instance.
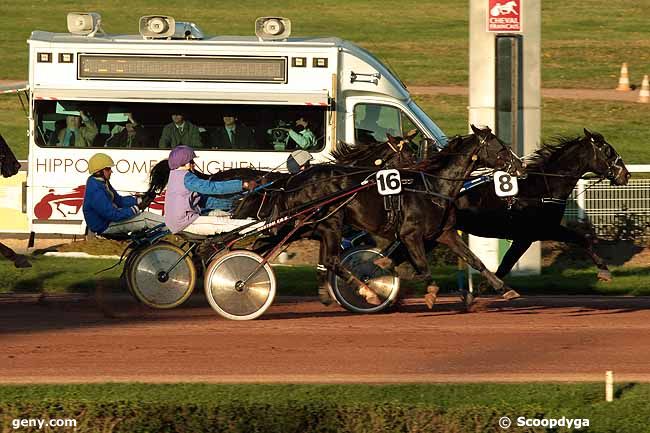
(504, 16)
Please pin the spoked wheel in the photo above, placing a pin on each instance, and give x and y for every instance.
(360, 261)
(153, 283)
(227, 292)
(126, 272)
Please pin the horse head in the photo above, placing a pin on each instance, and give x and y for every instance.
(9, 165)
(492, 152)
(606, 162)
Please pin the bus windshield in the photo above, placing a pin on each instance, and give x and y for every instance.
(146, 125)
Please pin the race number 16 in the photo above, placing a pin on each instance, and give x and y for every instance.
(388, 182)
(505, 185)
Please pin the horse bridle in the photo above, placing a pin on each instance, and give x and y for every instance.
(483, 143)
(613, 168)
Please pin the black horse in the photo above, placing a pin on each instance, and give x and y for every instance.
(411, 217)
(537, 211)
(9, 166)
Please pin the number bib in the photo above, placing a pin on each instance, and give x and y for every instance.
(505, 185)
(388, 182)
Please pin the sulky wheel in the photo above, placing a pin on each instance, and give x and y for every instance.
(360, 261)
(233, 299)
(151, 280)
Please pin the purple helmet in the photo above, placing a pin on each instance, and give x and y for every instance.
(179, 156)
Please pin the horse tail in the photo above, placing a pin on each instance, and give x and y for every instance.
(159, 177)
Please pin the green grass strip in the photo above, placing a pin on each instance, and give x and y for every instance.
(325, 408)
(62, 275)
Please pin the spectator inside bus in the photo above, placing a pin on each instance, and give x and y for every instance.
(368, 130)
(132, 135)
(108, 213)
(189, 197)
(76, 134)
(180, 132)
(232, 135)
(303, 135)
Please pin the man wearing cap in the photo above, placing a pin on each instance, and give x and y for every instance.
(188, 196)
(108, 213)
(179, 132)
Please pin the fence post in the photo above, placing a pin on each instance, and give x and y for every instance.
(581, 199)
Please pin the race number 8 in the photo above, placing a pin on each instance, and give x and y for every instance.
(388, 182)
(505, 185)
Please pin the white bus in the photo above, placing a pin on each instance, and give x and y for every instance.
(266, 81)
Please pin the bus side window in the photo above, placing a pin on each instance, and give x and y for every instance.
(407, 126)
(373, 121)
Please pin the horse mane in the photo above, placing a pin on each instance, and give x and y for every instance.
(550, 151)
(438, 160)
(348, 154)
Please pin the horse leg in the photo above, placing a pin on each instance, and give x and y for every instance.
(514, 253)
(324, 263)
(460, 248)
(414, 244)
(20, 261)
(564, 234)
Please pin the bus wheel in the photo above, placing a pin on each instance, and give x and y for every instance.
(227, 292)
(154, 282)
(360, 261)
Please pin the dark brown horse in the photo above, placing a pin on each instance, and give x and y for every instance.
(412, 217)
(9, 166)
(536, 212)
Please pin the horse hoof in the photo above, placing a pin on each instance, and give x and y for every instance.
(430, 299)
(510, 294)
(22, 262)
(384, 263)
(604, 275)
(369, 296)
(324, 297)
(431, 296)
(468, 300)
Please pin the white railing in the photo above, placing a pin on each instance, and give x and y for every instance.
(614, 212)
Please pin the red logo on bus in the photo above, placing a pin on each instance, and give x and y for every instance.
(50, 202)
(44, 208)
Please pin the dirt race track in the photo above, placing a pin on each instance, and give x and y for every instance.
(531, 339)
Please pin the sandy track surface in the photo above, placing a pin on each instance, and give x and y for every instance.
(532, 339)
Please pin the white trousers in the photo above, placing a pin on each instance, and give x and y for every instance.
(142, 221)
(217, 221)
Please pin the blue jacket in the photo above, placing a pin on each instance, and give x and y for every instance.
(186, 197)
(103, 205)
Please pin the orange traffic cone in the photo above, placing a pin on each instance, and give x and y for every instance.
(624, 81)
(644, 94)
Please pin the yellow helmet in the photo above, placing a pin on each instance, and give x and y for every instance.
(99, 161)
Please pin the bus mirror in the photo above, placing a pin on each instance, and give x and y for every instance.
(84, 23)
(157, 26)
(272, 28)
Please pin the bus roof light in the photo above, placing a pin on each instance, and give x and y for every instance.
(84, 23)
(272, 28)
(157, 26)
